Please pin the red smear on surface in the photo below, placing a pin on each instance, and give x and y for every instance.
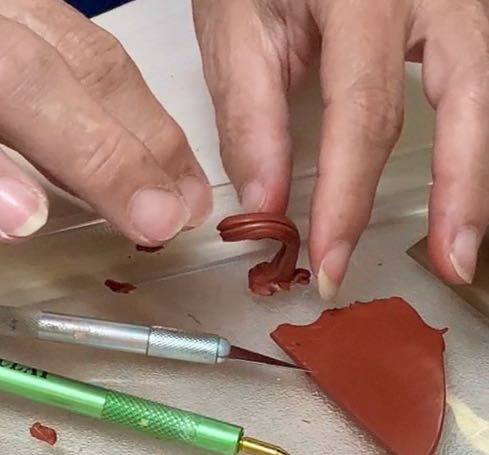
(381, 363)
(149, 249)
(44, 434)
(267, 278)
(120, 287)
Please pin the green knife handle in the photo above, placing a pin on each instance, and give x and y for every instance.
(168, 423)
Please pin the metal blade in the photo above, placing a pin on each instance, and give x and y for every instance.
(238, 353)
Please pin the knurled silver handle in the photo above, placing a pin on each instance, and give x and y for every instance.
(189, 347)
(152, 341)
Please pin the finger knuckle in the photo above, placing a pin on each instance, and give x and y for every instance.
(236, 127)
(24, 62)
(97, 58)
(170, 144)
(100, 161)
(380, 115)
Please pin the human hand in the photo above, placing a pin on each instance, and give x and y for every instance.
(255, 51)
(75, 105)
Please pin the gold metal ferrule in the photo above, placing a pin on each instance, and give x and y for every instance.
(252, 446)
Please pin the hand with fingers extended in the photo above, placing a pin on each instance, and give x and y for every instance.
(255, 51)
(75, 105)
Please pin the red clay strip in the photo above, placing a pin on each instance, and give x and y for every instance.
(267, 278)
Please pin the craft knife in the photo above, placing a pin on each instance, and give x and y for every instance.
(152, 341)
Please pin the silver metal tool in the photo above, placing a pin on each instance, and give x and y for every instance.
(152, 341)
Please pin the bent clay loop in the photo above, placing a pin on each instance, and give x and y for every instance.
(267, 278)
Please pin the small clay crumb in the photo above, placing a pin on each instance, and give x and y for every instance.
(191, 316)
(120, 287)
(44, 434)
(149, 249)
(306, 421)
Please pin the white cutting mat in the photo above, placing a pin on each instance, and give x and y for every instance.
(203, 286)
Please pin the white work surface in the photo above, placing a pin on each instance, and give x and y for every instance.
(201, 285)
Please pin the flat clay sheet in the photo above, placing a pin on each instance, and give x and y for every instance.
(382, 364)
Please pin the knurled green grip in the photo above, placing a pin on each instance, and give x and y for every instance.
(156, 419)
(168, 423)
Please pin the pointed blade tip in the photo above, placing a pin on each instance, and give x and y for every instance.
(242, 354)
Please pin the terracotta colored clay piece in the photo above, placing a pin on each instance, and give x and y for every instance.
(149, 249)
(120, 287)
(279, 274)
(44, 434)
(381, 363)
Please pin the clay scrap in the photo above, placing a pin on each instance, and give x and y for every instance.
(149, 249)
(44, 434)
(267, 278)
(120, 287)
(382, 364)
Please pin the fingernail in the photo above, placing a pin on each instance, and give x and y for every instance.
(158, 214)
(252, 196)
(198, 197)
(333, 269)
(23, 210)
(463, 254)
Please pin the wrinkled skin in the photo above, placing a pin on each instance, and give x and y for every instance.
(255, 51)
(74, 104)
